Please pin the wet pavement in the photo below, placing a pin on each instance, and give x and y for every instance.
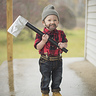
(24, 79)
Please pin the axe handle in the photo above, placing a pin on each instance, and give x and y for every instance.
(41, 33)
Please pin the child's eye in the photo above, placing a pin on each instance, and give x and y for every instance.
(55, 20)
(49, 20)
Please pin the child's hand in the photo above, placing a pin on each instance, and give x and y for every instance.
(45, 38)
(41, 44)
(62, 45)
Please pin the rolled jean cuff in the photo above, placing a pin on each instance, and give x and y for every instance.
(45, 91)
(56, 90)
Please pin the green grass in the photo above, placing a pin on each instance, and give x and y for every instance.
(23, 45)
(75, 43)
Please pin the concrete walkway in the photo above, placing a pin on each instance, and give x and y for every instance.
(25, 79)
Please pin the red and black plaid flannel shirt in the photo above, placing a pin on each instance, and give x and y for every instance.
(49, 48)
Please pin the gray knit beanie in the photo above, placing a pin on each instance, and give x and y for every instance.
(49, 10)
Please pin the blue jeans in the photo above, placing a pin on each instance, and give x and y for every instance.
(50, 70)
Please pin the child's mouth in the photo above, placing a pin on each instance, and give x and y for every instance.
(52, 25)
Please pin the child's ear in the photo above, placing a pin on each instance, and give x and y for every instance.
(43, 23)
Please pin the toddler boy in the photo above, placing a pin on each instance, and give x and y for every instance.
(51, 60)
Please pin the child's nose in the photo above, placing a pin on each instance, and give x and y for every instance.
(52, 22)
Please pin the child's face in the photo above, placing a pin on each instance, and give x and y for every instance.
(51, 22)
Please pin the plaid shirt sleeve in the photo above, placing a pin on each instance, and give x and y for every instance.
(37, 39)
(63, 37)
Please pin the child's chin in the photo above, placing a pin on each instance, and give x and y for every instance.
(52, 28)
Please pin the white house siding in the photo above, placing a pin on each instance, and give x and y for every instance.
(90, 31)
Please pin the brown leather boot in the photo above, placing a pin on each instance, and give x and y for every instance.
(45, 94)
(56, 94)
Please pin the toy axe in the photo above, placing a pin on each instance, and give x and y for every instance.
(21, 22)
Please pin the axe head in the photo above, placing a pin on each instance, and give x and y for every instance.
(17, 26)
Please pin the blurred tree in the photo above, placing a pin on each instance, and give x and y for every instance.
(30, 9)
(67, 17)
(77, 5)
(2, 14)
(81, 8)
